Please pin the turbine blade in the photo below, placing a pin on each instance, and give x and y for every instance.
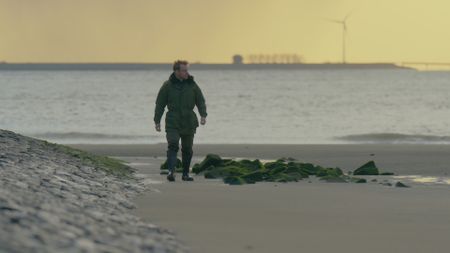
(348, 15)
(333, 20)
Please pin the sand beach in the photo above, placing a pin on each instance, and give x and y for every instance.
(306, 216)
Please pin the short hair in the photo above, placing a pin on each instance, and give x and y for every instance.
(177, 63)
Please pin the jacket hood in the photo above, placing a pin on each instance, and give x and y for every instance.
(174, 79)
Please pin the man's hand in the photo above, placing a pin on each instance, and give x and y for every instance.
(202, 120)
(158, 127)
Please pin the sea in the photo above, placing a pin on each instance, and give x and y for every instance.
(260, 106)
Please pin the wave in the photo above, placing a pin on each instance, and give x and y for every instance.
(396, 138)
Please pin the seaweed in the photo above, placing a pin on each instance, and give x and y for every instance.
(110, 165)
(368, 168)
(400, 184)
(178, 167)
(246, 171)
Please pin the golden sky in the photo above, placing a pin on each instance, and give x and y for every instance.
(213, 30)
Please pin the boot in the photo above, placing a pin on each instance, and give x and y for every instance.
(186, 162)
(186, 177)
(171, 163)
(171, 176)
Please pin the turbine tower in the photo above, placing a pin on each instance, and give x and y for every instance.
(343, 22)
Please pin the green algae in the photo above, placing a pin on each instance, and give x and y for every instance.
(178, 167)
(400, 184)
(246, 171)
(234, 180)
(110, 165)
(358, 180)
(335, 179)
(370, 168)
(210, 160)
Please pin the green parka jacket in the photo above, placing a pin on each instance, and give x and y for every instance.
(180, 97)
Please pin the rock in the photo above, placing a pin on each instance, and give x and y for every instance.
(368, 168)
(219, 172)
(234, 180)
(286, 159)
(282, 177)
(400, 184)
(54, 198)
(85, 244)
(256, 176)
(178, 166)
(330, 172)
(275, 167)
(210, 159)
(253, 165)
(298, 168)
(280, 170)
(309, 168)
(335, 179)
(358, 180)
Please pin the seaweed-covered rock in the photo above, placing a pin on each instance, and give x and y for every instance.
(358, 180)
(331, 172)
(251, 171)
(282, 177)
(286, 159)
(255, 176)
(279, 166)
(281, 170)
(387, 183)
(178, 167)
(368, 168)
(309, 168)
(298, 168)
(254, 165)
(235, 180)
(275, 167)
(218, 172)
(335, 179)
(210, 159)
(297, 176)
(400, 184)
(334, 175)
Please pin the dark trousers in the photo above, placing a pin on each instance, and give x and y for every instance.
(187, 140)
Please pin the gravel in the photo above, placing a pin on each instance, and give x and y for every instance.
(54, 201)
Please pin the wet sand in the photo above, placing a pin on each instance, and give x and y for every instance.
(304, 216)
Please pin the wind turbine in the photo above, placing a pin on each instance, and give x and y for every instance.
(343, 22)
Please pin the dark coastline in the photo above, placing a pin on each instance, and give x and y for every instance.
(193, 66)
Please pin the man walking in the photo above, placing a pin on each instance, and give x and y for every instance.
(180, 93)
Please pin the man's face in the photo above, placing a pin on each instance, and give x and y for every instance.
(183, 72)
